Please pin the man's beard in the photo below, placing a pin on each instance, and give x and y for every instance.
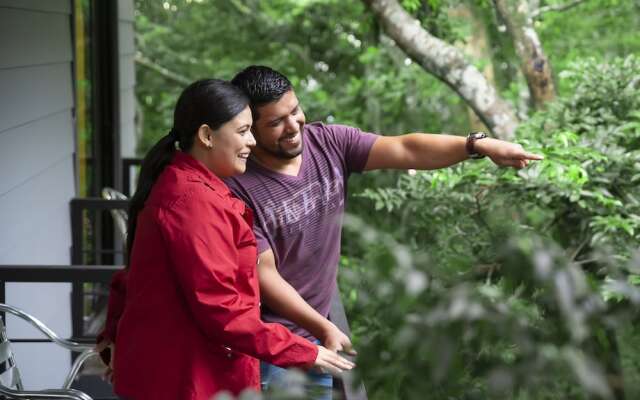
(279, 152)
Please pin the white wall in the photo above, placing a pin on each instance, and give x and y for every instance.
(126, 50)
(37, 163)
(36, 171)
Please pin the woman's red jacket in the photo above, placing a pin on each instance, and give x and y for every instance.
(191, 322)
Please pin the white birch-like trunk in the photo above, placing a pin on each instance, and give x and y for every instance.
(448, 64)
(534, 63)
(477, 47)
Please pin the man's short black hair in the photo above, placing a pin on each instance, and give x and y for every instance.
(262, 85)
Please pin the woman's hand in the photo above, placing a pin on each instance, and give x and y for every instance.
(110, 346)
(330, 362)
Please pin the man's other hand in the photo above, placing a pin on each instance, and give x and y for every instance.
(335, 340)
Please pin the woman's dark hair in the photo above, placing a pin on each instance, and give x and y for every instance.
(209, 101)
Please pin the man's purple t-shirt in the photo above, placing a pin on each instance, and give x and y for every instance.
(300, 217)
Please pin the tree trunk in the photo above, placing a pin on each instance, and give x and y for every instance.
(477, 47)
(448, 64)
(534, 64)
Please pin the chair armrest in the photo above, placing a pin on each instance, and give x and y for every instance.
(60, 394)
(68, 344)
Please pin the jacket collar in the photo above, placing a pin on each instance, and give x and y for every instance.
(198, 171)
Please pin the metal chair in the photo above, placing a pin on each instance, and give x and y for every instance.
(119, 215)
(10, 382)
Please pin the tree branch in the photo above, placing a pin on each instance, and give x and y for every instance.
(448, 64)
(577, 251)
(243, 9)
(166, 73)
(558, 7)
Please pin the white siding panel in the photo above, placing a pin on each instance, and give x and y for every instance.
(36, 230)
(40, 205)
(51, 242)
(125, 37)
(34, 92)
(42, 365)
(32, 148)
(36, 171)
(127, 72)
(127, 107)
(36, 299)
(52, 6)
(129, 142)
(46, 35)
(128, 138)
(126, 10)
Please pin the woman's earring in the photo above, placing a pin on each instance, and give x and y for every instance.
(209, 146)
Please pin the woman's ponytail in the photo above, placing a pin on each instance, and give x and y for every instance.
(153, 164)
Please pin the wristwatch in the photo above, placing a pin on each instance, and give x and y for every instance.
(471, 141)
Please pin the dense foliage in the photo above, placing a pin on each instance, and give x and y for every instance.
(473, 281)
(516, 283)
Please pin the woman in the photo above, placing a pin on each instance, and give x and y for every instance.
(191, 323)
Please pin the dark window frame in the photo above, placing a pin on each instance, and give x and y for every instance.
(106, 157)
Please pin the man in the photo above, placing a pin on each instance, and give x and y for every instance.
(296, 182)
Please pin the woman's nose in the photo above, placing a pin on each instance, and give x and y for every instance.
(251, 140)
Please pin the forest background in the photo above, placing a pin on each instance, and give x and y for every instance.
(471, 282)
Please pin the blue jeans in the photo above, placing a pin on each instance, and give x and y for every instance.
(319, 385)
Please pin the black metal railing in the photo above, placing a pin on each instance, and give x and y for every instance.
(93, 242)
(87, 237)
(54, 273)
(74, 274)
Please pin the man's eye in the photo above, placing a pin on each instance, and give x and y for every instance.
(295, 111)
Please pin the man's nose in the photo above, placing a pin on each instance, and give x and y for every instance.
(292, 124)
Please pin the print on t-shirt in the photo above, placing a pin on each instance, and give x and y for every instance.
(306, 206)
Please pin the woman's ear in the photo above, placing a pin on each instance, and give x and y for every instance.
(205, 136)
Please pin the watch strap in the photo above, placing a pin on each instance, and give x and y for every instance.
(470, 144)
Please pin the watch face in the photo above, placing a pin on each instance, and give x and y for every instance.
(478, 135)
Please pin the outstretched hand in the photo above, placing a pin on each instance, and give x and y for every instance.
(505, 154)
